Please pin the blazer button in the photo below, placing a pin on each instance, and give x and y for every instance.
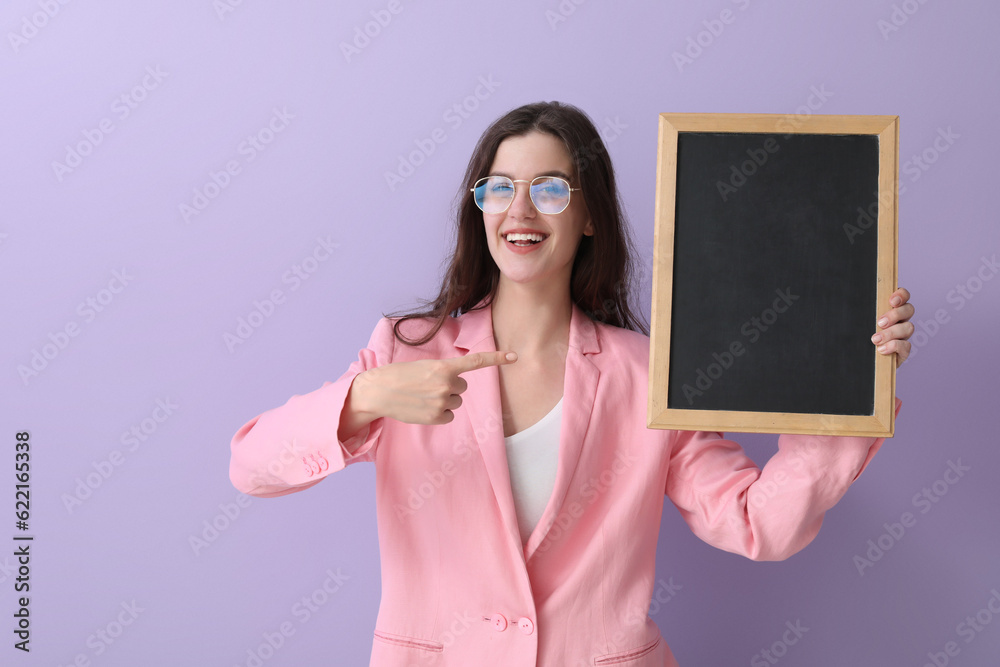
(526, 626)
(499, 622)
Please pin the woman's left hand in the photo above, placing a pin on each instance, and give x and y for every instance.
(895, 327)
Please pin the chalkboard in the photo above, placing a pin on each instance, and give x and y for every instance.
(774, 255)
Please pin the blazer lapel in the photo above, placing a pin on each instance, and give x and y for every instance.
(579, 391)
(485, 414)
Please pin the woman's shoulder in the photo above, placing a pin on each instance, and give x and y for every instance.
(623, 360)
(416, 328)
(623, 342)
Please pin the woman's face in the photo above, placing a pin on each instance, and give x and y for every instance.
(524, 158)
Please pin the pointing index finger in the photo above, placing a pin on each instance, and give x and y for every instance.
(475, 360)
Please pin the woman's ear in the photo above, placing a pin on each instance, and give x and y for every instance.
(588, 229)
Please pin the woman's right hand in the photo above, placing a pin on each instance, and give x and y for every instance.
(426, 391)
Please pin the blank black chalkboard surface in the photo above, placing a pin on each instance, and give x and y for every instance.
(775, 252)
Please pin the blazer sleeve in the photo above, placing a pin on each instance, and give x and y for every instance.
(766, 514)
(295, 446)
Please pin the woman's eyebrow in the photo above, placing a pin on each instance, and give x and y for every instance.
(553, 172)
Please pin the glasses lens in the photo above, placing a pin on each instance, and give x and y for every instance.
(550, 194)
(494, 193)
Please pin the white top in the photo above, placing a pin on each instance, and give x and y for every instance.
(532, 458)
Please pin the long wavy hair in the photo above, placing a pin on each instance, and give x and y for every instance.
(604, 267)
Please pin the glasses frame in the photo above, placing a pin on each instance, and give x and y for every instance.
(512, 181)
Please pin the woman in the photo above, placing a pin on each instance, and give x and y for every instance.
(519, 493)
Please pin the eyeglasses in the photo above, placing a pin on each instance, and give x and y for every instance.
(549, 194)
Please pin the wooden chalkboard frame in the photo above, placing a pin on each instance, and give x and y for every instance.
(879, 424)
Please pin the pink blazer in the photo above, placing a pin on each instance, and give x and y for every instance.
(458, 587)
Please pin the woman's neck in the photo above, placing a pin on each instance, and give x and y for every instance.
(531, 320)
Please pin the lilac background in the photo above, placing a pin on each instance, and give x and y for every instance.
(162, 336)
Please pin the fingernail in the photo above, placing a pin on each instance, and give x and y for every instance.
(511, 356)
(884, 321)
(895, 301)
(882, 348)
(876, 338)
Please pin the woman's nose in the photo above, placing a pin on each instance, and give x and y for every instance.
(521, 207)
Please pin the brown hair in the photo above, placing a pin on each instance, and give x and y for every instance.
(601, 282)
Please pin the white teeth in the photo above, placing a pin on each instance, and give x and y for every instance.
(525, 237)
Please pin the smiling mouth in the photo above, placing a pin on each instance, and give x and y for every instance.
(524, 240)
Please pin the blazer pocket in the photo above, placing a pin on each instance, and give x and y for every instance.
(623, 657)
(408, 642)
